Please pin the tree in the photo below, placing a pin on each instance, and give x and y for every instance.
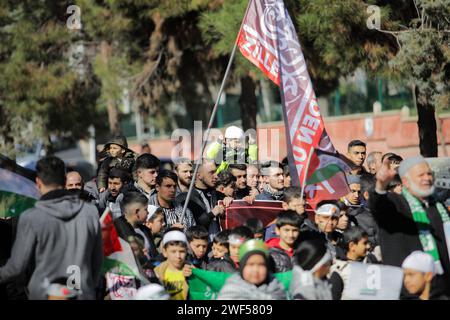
(220, 28)
(40, 93)
(337, 41)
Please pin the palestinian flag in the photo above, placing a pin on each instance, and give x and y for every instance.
(206, 285)
(118, 256)
(17, 193)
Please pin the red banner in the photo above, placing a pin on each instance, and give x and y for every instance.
(240, 211)
(268, 39)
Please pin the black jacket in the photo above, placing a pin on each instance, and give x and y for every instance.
(224, 264)
(279, 261)
(363, 218)
(398, 233)
(202, 215)
(242, 193)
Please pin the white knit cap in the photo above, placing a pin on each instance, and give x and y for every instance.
(408, 163)
(420, 261)
(234, 132)
(174, 235)
(328, 210)
(151, 211)
(152, 291)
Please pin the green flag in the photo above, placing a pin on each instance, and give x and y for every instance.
(206, 285)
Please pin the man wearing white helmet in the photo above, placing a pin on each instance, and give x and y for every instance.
(413, 220)
(234, 149)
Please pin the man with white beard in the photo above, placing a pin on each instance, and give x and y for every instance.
(413, 220)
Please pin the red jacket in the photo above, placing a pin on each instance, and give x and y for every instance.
(275, 243)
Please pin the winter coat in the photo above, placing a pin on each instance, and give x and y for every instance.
(224, 264)
(399, 236)
(125, 163)
(198, 263)
(59, 232)
(279, 259)
(201, 204)
(236, 288)
(266, 196)
(304, 286)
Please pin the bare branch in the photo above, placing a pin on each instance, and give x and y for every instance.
(417, 9)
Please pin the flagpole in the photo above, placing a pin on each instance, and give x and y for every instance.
(213, 115)
(306, 169)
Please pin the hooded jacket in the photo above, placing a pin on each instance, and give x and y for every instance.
(60, 234)
(236, 288)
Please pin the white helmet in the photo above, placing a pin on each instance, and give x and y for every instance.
(234, 132)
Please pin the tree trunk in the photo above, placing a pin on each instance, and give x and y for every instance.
(113, 118)
(427, 128)
(113, 111)
(248, 103)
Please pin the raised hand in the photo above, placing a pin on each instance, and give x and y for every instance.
(384, 175)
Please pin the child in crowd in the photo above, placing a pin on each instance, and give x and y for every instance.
(226, 184)
(118, 156)
(293, 200)
(220, 260)
(419, 269)
(173, 272)
(256, 226)
(254, 281)
(282, 248)
(198, 246)
(237, 237)
(355, 242)
(312, 262)
(155, 223)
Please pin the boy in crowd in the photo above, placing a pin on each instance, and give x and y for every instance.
(118, 156)
(146, 170)
(173, 272)
(326, 218)
(197, 237)
(282, 248)
(237, 237)
(226, 185)
(419, 270)
(220, 260)
(256, 226)
(355, 242)
(292, 200)
(155, 224)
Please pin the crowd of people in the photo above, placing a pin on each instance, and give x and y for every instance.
(391, 216)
